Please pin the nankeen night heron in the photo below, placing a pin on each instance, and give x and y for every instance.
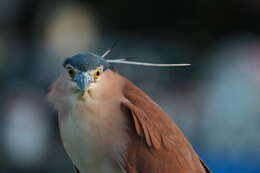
(108, 124)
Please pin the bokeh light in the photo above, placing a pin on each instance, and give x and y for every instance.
(215, 101)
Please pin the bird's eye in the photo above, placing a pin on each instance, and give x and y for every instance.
(97, 73)
(71, 72)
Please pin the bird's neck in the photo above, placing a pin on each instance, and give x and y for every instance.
(95, 126)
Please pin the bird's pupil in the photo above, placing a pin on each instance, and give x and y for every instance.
(71, 72)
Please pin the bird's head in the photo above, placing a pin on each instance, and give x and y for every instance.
(82, 71)
(87, 74)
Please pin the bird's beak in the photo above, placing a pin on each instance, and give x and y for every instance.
(83, 80)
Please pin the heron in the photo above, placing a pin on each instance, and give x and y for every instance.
(108, 124)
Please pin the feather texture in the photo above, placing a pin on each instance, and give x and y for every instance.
(156, 144)
(122, 125)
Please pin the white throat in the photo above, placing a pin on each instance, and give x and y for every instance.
(94, 133)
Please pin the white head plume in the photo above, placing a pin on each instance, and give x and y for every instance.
(125, 61)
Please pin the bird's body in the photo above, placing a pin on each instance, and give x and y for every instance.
(115, 127)
(94, 138)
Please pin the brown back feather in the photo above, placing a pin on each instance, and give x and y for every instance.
(156, 144)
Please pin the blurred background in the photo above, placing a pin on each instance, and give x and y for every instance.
(216, 101)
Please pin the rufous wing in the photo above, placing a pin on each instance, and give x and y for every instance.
(156, 144)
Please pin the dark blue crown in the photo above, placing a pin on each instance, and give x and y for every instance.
(86, 61)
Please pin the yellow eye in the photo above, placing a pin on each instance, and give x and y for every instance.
(71, 72)
(97, 73)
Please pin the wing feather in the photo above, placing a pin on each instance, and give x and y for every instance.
(156, 144)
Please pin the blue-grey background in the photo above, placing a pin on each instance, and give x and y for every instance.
(216, 101)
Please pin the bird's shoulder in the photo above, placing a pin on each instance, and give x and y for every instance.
(149, 119)
(156, 143)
